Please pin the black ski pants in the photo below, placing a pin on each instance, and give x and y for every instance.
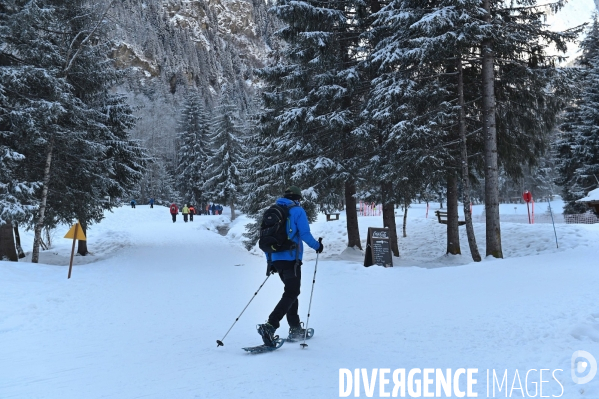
(291, 276)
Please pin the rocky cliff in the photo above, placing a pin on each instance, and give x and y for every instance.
(174, 46)
(201, 44)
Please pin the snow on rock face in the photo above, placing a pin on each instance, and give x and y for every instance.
(182, 44)
(188, 15)
(235, 20)
(124, 55)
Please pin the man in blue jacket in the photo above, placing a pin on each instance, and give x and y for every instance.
(288, 265)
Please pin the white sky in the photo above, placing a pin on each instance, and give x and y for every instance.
(574, 13)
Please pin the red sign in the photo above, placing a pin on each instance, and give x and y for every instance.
(527, 196)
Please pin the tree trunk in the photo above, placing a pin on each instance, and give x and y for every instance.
(353, 232)
(48, 238)
(232, 210)
(405, 218)
(389, 217)
(7, 243)
(18, 241)
(465, 172)
(42, 211)
(490, 135)
(453, 232)
(82, 245)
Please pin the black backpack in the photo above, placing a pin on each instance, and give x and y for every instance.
(273, 230)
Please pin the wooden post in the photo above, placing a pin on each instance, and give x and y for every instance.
(73, 249)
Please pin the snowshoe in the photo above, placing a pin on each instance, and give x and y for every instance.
(263, 348)
(298, 333)
(267, 332)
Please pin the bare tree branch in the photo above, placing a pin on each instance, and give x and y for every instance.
(71, 61)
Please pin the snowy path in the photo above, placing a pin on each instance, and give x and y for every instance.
(142, 321)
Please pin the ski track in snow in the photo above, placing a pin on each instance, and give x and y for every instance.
(140, 316)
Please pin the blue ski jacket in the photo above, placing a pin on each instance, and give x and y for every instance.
(298, 230)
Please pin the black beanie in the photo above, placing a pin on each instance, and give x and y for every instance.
(293, 193)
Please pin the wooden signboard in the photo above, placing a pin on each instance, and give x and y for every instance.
(378, 249)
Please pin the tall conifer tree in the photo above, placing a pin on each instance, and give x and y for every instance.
(224, 168)
(312, 101)
(194, 149)
(578, 144)
(71, 130)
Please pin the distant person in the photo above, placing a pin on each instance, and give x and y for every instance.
(207, 209)
(213, 209)
(151, 202)
(192, 212)
(185, 212)
(133, 203)
(174, 211)
(220, 209)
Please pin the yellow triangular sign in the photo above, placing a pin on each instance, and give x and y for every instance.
(80, 233)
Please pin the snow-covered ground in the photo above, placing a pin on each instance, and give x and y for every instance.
(140, 317)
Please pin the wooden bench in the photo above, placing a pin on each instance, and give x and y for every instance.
(330, 216)
(442, 217)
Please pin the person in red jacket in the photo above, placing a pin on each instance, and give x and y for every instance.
(174, 211)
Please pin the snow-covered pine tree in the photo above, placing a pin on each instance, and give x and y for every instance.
(413, 107)
(16, 195)
(312, 100)
(39, 103)
(194, 149)
(154, 129)
(413, 37)
(70, 129)
(590, 44)
(578, 145)
(224, 168)
(517, 111)
(158, 183)
(260, 187)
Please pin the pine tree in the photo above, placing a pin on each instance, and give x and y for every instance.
(158, 183)
(578, 146)
(414, 105)
(518, 112)
(71, 130)
(194, 149)
(224, 168)
(502, 49)
(312, 101)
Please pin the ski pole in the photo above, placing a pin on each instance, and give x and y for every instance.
(311, 292)
(554, 232)
(220, 342)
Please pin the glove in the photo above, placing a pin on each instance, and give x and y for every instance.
(270, 269)
(320, 246)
